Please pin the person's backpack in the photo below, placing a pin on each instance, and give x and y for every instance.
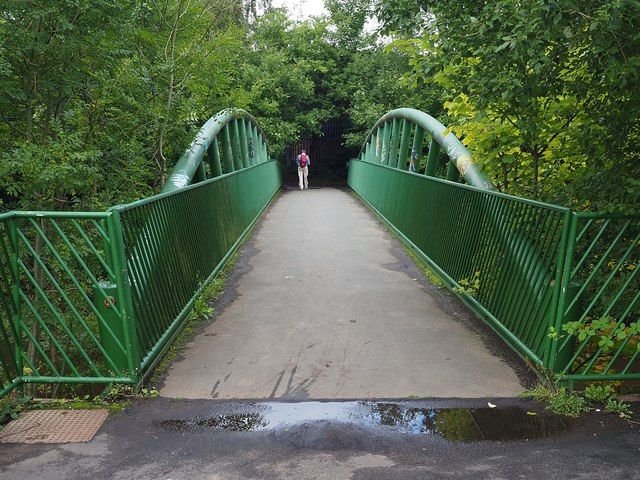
(303, 160)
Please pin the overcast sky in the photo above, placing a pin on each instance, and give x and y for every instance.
(301, 9)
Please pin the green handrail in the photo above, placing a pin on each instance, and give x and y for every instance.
(377, 148)
(248, 146)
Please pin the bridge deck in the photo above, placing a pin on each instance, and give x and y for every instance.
(330, 306)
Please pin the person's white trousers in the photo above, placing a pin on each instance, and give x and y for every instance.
(303, 173)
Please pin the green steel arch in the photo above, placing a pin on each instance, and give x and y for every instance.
(232, 140)
(388, 143)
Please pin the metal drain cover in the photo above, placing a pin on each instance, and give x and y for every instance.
(54, 426)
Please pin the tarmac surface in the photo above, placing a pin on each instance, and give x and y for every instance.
(176, 439)
(329, 306)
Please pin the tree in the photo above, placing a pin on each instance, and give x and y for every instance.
(544, 74)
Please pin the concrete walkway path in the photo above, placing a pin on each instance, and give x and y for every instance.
(331, 307)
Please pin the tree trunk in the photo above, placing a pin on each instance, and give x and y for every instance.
(536, 173)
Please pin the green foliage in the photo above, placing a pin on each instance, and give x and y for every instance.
(559, 400)
(10, 408)
(599, 393)
(114, 399)
(605, 335)
(539, 91)
(572, 403)
(428, 272)
(618, 407)
(470, 286)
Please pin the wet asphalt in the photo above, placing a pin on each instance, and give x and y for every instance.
(181, 439)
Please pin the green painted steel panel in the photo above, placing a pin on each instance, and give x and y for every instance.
(175, 243)
(95, 297)
(537, 273)
(486, 245)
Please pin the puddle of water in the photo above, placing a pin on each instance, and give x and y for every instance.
(235, 422)
(454, 424)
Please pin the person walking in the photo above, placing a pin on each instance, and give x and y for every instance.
(303, 161)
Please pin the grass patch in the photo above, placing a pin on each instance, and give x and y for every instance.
(595, 397)
(202, 310)
(11, 406)
(427, 271)
(114, 399)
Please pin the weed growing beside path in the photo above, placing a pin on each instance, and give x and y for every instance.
(594, 398)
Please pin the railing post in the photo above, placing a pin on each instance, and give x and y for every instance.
(235, 142)
(404, 145)
(393, 144)
(416, 149)
(560, 289)
(433, 159)
(378, 152)
(213, 154)
(254, 144)
(199, 175)
(453, 174)
(227, 150)
(12, 226)
(242, 130)
(373, 150)
(123, 292)
(384, 155)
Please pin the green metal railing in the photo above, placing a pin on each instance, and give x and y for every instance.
(560, 287)
(174, 246)
(57, 314)
(480, 242)
(398, 140)
(598, 322)
(230, 140)
(95, 297)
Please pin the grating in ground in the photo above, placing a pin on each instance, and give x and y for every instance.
(54, 426)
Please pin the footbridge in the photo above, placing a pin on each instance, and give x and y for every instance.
(329, 305)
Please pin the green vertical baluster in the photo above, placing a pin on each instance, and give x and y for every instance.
(259, 152)
(433, 159)
(250, 147)
(365, 154)
(227, 150)
(404, 145)
(243, 142)
(199, 175)
(393, 144)
(12, 225)
(416, 149)
(119, 268)
(376, 156)
(453, 173)
(384, 153)
(560, 299)
(235, 142)
(256, 142)
(214, 158)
